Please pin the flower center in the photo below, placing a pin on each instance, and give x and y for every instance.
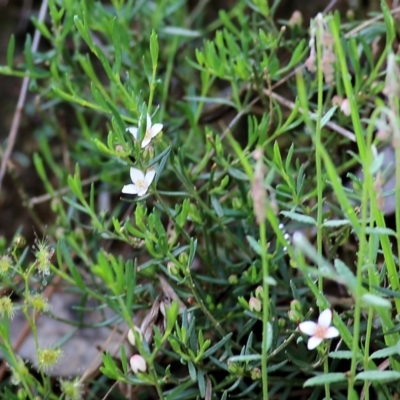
(147, 135)
(320, 331)
(140, 183)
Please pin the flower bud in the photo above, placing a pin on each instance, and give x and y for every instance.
(119, 148)
(337, 100)
(183, 258)
(19, 241)
(255, 304)
(295, 305)
(256, 374)
(148, 152)
(138, 364)
(6, 307)
(131, 335)
(296, 19)
(350, 14)
(72, 389)
(234, 368)
(173, 268)
(237, 204)
(38, 302)
(233, 279)
(6, 263)
(294, 316)
(345, 107)
(281, 323)
(47, 358)
(259, 292)
(194, 213)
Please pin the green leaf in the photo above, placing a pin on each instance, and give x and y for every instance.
(172, 314)
(345, 274)
(334, 223)
(28, 54)
(369, 299)
(269, 338)
(305, 219)
(381, 376)
(62, 249)
(341, 354)
(237, 174)
(217, 207)
(255, 245)
(327, 117)
(176, 392)
(211, 100)
(387, 352)
(202, 383)
(163, 162)
(380, 231)
(192, 371)
(178, 31)
(217, 346)
(10, 52)
(154, 49)
(332, 377)
(245, 358)
(42, 28)
(116, 38)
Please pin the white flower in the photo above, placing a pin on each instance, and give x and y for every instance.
(140, 182)
(319, 331)
(138, 364)
(151, 131)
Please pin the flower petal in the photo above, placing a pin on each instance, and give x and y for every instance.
(148, 122)
(325, 319)
(138, 364)
(156, 129)
(313, 342)
(136, 174)
(142, 191)
(130, 189)
(146, 141)
(150, 174)
(308, 327)
(134, 131)
(331, 333)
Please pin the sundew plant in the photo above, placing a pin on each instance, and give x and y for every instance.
(222, 181)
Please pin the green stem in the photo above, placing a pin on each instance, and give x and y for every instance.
(318, 166)
(265, 273)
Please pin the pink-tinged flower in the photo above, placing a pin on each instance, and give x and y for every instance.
(140, 182)
(345, 107)
(255, 304)
(151, 131)
(138, 364)
(319, 331)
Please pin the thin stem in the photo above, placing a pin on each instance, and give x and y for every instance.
(318, 164)
(366, 347)
(265, 273)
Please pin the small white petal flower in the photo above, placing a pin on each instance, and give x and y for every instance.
(134, 131)
(319, 331)
(151, 131)
(140, 182)
(138, 364)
